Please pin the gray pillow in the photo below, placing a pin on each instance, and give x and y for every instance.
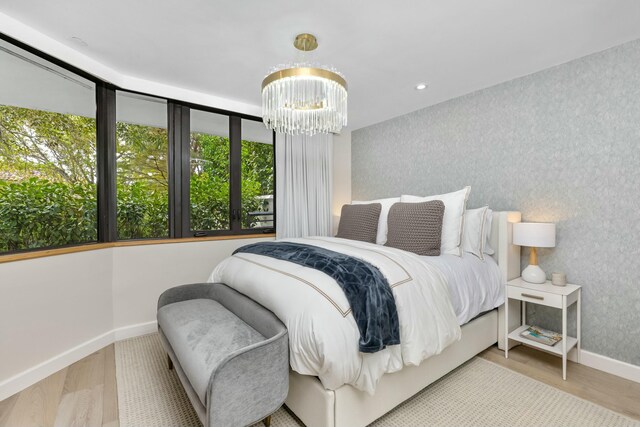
(416, 227)
(359, 222)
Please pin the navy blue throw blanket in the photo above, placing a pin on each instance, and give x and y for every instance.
(366, 289)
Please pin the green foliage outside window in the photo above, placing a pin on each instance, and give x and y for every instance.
(142, 180)
(210, 180)
(48, 180)
(38, 213)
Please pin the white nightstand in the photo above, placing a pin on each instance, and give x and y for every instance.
(552, 296)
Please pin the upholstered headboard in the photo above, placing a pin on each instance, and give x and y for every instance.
(507, 255)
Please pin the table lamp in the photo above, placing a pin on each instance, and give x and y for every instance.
(535, 235)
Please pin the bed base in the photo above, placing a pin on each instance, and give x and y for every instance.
(349, 407)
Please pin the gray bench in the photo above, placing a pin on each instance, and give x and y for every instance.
(230, 353)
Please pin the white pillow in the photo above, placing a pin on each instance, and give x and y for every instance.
(474, 236)
(453, 220)
(383, 227)
(487, 232)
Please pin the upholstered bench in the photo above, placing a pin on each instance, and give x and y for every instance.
(230, 353)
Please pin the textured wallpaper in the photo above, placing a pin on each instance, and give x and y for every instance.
(561, 145)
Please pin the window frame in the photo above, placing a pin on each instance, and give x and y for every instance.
(178, 156)
(235, 175)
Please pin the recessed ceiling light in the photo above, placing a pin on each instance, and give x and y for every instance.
(421, 86)
(79, 41)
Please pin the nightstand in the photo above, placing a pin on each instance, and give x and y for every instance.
(560, 297)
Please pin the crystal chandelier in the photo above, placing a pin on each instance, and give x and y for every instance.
(301, 98)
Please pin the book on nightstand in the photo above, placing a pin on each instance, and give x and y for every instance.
(542, 336)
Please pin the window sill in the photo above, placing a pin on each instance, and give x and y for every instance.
(96, 246)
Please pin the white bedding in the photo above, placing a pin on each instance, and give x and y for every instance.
(475, 285)
(323, 335)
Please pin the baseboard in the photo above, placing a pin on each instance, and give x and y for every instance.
(24, 379)
(19, 382)
(606, 364)
(131, 331)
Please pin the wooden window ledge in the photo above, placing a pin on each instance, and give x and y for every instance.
(122, 243)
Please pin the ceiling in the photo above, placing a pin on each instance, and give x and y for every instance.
(384, 48)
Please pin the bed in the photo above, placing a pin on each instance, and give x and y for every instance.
(331, 383)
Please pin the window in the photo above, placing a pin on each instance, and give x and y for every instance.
(257, 175)
(142, 178)
(209, 179)
(232, 178)
(47, 154)
(82, 161)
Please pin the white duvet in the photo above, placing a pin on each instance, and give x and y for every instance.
(475, 285)
(323, 335)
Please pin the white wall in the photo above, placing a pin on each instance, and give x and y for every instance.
(142, 273)
(341, 174)
(56, 310)
(50, 305)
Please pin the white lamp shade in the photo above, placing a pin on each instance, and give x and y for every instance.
(534, 234)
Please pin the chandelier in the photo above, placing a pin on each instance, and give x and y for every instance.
(301, 98)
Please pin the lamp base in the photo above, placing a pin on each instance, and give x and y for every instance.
(534, 274)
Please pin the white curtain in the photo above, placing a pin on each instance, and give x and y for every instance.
(303, 185)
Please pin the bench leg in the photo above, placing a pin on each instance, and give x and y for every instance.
(267, 421)
(169, 362)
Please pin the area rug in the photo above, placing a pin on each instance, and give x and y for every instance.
(478, 393)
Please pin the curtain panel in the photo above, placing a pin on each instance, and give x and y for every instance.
(304, 185)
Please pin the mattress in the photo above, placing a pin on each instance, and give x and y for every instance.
(475, 285)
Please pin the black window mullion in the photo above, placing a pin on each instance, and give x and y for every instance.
(173, 160)
(178, 131)
(106, 162)
(185, 178)
(235, 173)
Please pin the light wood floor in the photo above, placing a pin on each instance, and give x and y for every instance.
(84, 394)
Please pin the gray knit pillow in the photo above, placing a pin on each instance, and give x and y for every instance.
(416, 227)
(359, 222)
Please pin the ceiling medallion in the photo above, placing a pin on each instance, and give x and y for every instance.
(301, 98)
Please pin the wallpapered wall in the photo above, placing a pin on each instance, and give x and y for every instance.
(560, 145)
